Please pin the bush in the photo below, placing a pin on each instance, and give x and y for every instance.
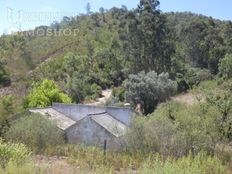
(95, 91)
(44, 94)
(225, 66)
(194, 76)
(148, 90)
(13, 153)
(182, 85)
(4, 76)
(158, 136)
(36, 131)
(221, 100)
(175, 129)
(6, 110)
(119, 93)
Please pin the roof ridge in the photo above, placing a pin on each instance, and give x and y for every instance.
(100, 113)
(73, 104)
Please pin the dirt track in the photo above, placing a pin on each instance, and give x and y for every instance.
(106, 94)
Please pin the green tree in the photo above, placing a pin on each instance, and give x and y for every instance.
(225, 66)
(78, 87)
(44, 94)
(149, 40)
(148, 90)
(227, 36)
(193, 42)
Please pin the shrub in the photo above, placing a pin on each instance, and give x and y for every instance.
(159, 136)
(36, 131)
(175, 129)
(13, 153)
(6, 110)
(95, 91)
(119, 93)
(221, 100)
(44, 94)
(225, 66)
(148, 90)
(194, 76)
(182, 84)
(117, 98)
(4, 76)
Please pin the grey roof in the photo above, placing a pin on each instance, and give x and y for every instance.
(114, 120)
(79, 111)
(62, 121)
(112, 125)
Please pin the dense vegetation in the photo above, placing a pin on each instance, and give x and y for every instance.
(43, 94)
(144, 55)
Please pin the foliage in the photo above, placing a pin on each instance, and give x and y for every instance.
(222, 101)
(159, 136)
(79, 88)
(36, 131)
(148, 43)
(13, 153)
(4, 76)
(148, 90)
(93, 160)
(6, 110)
(175, 129)
(119, 93)
(182, 84)
(27, 168)
(201, 164)
(112, 44)
(44, 94)
(194, 76)
(225, 66)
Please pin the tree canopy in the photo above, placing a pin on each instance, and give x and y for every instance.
(148, 90)
(44, 94)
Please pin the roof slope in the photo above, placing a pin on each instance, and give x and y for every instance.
(112, 125)
(62, 121)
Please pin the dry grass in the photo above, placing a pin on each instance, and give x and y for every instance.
(189, 98)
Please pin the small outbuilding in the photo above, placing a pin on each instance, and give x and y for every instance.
(90, 125)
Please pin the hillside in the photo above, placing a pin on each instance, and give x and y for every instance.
(102, 36)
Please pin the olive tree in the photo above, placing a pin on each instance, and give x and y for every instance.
(148, 90)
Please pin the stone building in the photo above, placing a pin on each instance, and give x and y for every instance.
(90, 125)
